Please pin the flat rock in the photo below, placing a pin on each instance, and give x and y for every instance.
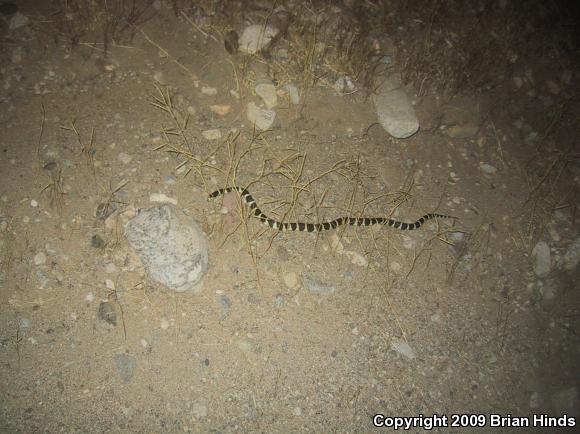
(394, 110)
(125, 367)
(261, 118)
(172, 247)
(267, 91)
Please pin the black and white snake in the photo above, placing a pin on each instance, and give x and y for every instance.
(319, 227)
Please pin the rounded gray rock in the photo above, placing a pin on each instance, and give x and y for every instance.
(172, 247)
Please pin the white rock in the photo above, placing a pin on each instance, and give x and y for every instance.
(33, 203)
(171, 246)
(209, 91)
(161, 198)
(394, 110)
(266, 90)
(214, 134)
(164, 323)
(256, 37)
(291, 280)
(263, 119)
(404, 349)
(39, 258)
(543, 261)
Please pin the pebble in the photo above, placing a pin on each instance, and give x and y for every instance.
(209, 91)
(266, 90)
(214, 134)
(110, 268)
(543, 262)
(291, 280)
(40, 258)
(107, 313)
(487, 168)
(18, 20)
(263, 119)
(161, 198)
(97, 242)
(293, 93)
(90, 297)
(110, 284)
(221, 110)
(164, 323)
(125, 366)
(315, 286)
(226, 304)
(33, 203)
(404, 349)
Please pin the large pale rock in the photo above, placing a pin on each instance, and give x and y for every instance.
(256, 37)
(394, 110)
(172, 247)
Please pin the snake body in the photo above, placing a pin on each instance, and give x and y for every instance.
(325, 226)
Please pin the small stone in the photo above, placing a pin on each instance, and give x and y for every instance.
(90, 297)
(110, 284)
(315, 286)
(404, 349)
(221, 110)
(297, 411)
(33, 203)
(214, 134)
(164, 323)
(107, 313)
(97, 242)
(18, 20)
(266, 90)
(487, 168)
(40, 258)
(125, 366)
(209, 91)
(291, 280)
(541, 253)
(110, 268)
(161, 198)
(293, 93)
(261, 118)
(144, 343)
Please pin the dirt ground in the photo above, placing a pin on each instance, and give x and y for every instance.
(292, 332)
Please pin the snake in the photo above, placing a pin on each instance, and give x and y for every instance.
(324, 226)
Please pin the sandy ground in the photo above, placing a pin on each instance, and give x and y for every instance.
(450, 319)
